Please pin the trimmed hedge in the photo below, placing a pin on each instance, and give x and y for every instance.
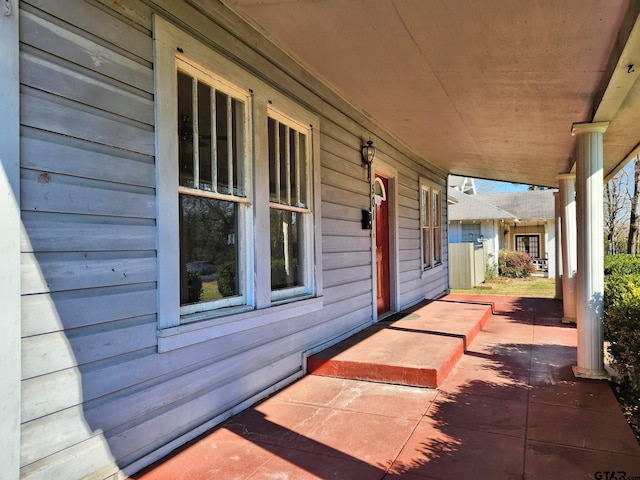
(515, 264)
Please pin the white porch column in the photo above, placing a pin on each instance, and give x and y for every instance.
(590, 278)
(558, 243)
(567, 197)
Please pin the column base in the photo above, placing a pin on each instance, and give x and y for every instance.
(570, 321)
(592, 374)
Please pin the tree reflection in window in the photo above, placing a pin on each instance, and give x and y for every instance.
(208, 249)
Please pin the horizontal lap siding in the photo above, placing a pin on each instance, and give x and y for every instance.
(96, 395)
(89, 235)
(346, 261)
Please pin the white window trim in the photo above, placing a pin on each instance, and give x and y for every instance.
(197, 332)
(171, 325)
(430, 185)
(245, 258)
(307, 240)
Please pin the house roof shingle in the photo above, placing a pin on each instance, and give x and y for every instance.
(529, 205)
(469, 207)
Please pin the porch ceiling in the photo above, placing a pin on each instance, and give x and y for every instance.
(482, 88)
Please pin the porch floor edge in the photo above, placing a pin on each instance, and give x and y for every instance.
(415, 347)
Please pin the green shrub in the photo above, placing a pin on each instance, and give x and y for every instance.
(621, 264)
(491, 272)
(194, 287)
(515, 264)
(622, 316)
(622, 326)
(622, 330)
(227, 279)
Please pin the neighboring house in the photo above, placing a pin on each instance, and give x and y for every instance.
(462, 184)
(194, 224)
(522, 221)
(477, 221)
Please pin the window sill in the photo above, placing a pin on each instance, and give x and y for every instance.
(209, 328)
(429, 270)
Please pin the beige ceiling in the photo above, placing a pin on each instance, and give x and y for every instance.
(482, 88)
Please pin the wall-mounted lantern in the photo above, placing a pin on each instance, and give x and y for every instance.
(368, 155)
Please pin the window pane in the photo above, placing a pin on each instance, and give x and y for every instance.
(425, 207)
(204, 136)
(528, 244)
(208, 249)
(185, 129)
(273, 161)
(302, 174)
(230, 132)
(437, 245)
(238, 120)
(426, 247)
(435, 217)
(437, 232)
(286, 259)
(470, 232)
(287, 165)
(222, 129)
(284, 165)
(294, 162)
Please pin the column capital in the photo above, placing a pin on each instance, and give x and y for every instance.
(589, 127)
(566, 176)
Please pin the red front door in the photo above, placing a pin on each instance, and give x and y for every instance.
(382, 250)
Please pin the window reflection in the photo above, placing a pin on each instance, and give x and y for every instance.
(286, 264)
(208, 249)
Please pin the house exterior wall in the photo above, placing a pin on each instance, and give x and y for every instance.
(535, 228)
(97, 397)
(489, 229)
(546, 231)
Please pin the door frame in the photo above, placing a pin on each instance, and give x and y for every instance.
(382, 168)
(538, 235)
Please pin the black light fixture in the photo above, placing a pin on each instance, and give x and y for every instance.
(368, 155)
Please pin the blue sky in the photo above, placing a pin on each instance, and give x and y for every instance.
(492, 186)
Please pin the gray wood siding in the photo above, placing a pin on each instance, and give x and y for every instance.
(96, 395)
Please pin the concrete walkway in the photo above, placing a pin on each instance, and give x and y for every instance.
(510, 409)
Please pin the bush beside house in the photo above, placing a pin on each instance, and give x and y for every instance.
(515, 264)
(622, 328)
(622, 315)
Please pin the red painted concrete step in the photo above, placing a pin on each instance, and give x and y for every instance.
(417, 347)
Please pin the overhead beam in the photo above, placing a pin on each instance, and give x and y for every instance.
(622, 78)
(621, 73)
(618, 78)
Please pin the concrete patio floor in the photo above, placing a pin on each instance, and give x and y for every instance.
(509, 409)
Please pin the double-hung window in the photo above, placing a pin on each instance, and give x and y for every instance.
(211, 129)
(430, 224)
(289, 212)
(237, 194)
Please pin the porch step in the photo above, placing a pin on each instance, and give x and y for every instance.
(417, 347)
